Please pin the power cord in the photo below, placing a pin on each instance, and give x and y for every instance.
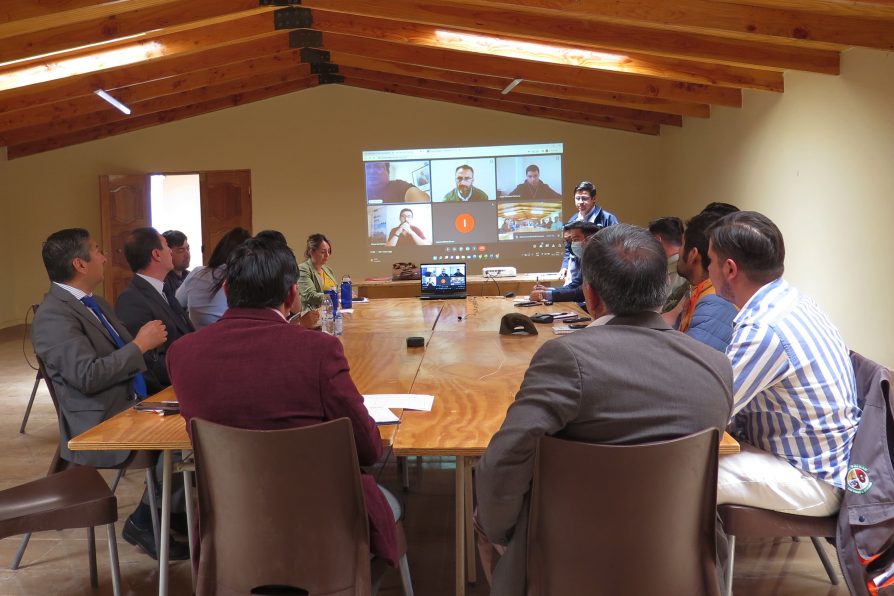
(493, 279)
(25, 338)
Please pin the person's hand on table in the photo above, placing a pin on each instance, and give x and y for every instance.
(309, 320)
(563, 273)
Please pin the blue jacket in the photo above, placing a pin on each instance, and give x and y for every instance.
(712, 322)
(598, 216)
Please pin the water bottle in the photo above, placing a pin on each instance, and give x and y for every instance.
(346, 298)
(338, 326)
(327, 318)
(333, 299)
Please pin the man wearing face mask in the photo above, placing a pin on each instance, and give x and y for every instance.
(579, 232)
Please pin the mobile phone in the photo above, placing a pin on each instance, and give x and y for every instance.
(578, 325)
(528, 303)
(578, 320)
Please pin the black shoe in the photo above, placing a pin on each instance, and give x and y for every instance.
(177, 551)
(179, 525)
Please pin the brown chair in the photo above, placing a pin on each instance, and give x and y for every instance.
(638, 519)
(281, 510)
(137, 460)
(76, 498)
(753, 522)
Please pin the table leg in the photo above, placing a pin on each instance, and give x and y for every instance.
(460, 525)
(190, 509)
(165, 533)
(471, 570)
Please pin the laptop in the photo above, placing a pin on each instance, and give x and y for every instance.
(443, 280)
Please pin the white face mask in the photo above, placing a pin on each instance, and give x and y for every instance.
(577, 249)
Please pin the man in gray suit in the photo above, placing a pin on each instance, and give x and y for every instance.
(96, 366)
(626, 379)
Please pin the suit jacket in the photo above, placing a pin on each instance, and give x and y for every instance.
(140, 303)
(253, 370)
(92, 378)
(310, 285)
(633, 380)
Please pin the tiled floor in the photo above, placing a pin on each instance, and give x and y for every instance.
(56, 562)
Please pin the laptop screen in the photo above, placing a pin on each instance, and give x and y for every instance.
(443, 278)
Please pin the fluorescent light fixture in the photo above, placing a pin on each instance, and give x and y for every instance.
(68, 67)
(484, 44)
(511, 86)
(113, 101)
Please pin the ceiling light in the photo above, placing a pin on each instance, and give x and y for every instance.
(113, 101)
(511, 86)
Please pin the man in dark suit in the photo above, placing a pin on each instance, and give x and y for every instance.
(95, 364)
(148, 298)
(180, 256)
(252, 369)
(628, 378)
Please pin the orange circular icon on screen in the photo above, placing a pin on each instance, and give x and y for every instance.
(464, 223)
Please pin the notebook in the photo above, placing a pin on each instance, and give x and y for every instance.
(443, 280)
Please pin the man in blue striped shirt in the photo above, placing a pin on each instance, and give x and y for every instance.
(795, 404)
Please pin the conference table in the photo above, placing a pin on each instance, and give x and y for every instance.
(473, 372)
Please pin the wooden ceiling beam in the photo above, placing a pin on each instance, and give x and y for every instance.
(86, 104)
(522, 98)
(598, 36)
(736, 20)
(172, 16)
(673, 69)
(151, 106)
(573, 93)
(214, 48)
(533, 71)
(149, 120)
(28, 17)
(513, 108)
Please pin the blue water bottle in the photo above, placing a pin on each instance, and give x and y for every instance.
(346, 298)
(333, 297)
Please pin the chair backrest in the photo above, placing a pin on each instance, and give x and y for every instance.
(280, 508)
(609, 519)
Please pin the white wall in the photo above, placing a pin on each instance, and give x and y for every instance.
(819, 161)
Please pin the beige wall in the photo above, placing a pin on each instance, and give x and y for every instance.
(819, 161)
(304, 152)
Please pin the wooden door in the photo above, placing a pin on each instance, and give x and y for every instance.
(226, 204)
(124, 206)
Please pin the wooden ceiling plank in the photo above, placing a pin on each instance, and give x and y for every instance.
(533, 71)
(210, 50)
(522, 98)
(638, 102)
(599, 36)
(149, 120)
(737, 20)
(882, 9)
(104, 29)
(86, 104)
(535, 111)
(150, 106)
(660, 67)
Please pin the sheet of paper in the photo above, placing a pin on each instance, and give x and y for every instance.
(563, 329)
(382, 415)
(407, 401)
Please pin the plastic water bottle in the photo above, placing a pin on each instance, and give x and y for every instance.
(346, 289)
(327, 317)
(338, 326)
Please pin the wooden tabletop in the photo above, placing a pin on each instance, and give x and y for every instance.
(473, 372)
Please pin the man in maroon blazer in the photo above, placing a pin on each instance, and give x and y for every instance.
(252, 369)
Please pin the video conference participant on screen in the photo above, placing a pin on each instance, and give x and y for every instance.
(533, 187)
(380, 186)
(465, 188)
(405, 233)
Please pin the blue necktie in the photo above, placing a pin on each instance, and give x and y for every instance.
(139, 382)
